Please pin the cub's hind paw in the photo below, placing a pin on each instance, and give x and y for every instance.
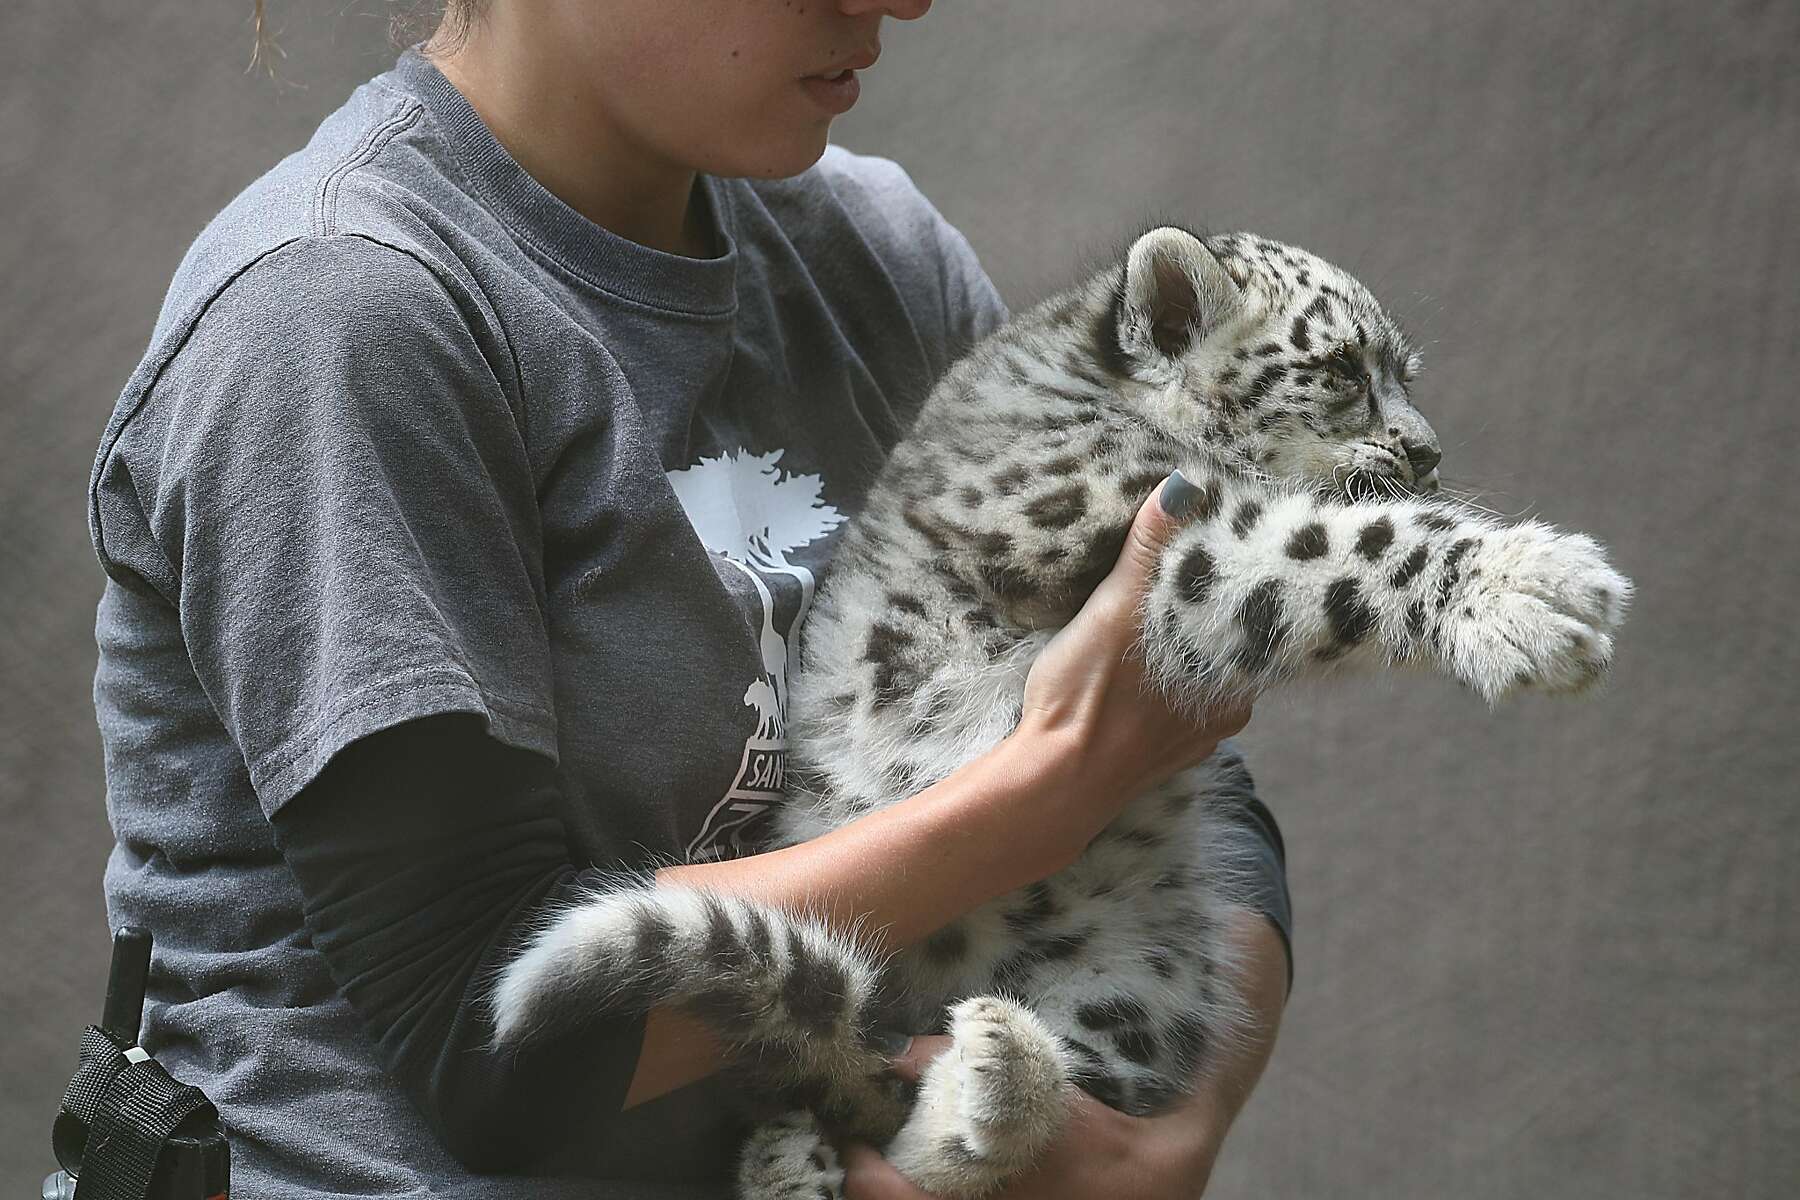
(1532, 607)
(789, 1159)
(1015, 1082)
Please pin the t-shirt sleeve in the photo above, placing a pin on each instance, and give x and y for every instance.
(972, 305)
(936, 267)
(1269, 886)
(329, 479)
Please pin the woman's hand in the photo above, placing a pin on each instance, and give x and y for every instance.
(1087, 698)
(1102, 1153)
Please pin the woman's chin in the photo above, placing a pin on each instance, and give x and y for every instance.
(776, 158)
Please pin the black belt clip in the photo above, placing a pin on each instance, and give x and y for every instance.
(128, 1130)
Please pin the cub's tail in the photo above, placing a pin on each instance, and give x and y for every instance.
(755, 974)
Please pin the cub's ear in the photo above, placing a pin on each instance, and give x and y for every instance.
(1175, 293)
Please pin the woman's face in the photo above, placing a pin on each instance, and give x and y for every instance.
(728, 87)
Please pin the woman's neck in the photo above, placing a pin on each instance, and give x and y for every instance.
(533, 100)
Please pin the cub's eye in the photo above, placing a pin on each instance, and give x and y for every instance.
(1347, 365)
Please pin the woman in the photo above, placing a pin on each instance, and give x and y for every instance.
(456, 524)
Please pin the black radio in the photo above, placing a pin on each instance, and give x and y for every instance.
(127, 1129)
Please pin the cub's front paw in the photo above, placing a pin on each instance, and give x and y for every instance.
(1529, 606)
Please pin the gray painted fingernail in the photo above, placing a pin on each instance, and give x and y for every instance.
(891, 1042)
(1178, 495)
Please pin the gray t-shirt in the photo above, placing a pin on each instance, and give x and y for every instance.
(414, 437)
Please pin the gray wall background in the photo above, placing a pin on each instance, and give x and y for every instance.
(1544, 952)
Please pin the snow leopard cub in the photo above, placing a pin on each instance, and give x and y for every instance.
(1279, 387)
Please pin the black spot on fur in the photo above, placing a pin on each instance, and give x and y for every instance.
(1264, 629)
(1452, 572)
(1264, 384)
(1187, 1034)
(1204, 504)
(1007, 581)
(1109, 353)
(1096, 560)
(1320, 307)
(1410, 568)
(1009, 481)
(1246, 517)
(1436, 521)
(1090, 1057)
(970, 496)
(1136, 484)
(816, 988)
(1375, 537)
(1149, 839)
(906, 603)
(1195, 575)
(956, 1149)
(1308, 542)
(652, 965)
(761, 938)
(1040, 905)
(1061, 947)
(1107, 1089)
(723, 952)
(1158, 960)
(1350, 615)
(885, 651)
(1012, 977)
(1137, 1044)
(1298, 334)
(1058, 509)
(1415, 619)
(913, 513)
(948, 945)
(1115, 1013)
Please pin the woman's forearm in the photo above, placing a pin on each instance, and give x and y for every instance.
(910, 868)
(897, 874)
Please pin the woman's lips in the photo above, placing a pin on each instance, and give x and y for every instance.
(835, 93)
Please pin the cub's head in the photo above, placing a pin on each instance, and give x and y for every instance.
(1273, 356)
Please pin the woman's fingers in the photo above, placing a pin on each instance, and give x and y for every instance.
(868, 1176)
(1158, 517)
(911, 1062)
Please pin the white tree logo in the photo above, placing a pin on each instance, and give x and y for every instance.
(753, 514)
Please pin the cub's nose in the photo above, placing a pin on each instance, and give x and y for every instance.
(1423, 456)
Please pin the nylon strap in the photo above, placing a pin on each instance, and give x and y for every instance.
(116, 1115)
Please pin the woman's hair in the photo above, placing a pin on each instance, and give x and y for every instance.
(446, 22)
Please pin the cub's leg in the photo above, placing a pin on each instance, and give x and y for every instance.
(789, 1159)
(1263, 586)
(989, 1105)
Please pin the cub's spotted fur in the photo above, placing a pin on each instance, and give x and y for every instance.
(1314, 543)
